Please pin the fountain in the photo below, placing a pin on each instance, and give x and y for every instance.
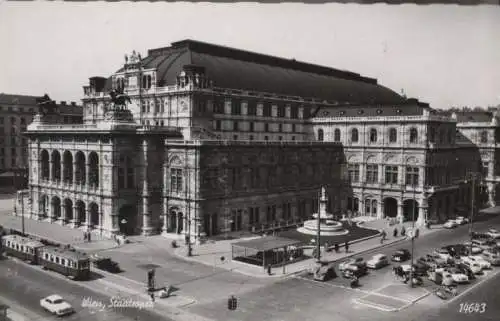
(327, 226)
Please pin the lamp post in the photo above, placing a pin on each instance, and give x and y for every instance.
(318, 235)
(472, 176)
(413, 231)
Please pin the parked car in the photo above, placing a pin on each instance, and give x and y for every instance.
(401, 255)
(466, 270)
(460, 220)
(428, 261)
(484, 244)
(55, 304)
(418, 268)
(346, 264)
(435, 276)
(475, 249)
(450, 224)
(444, 254)
(457, 250)
(481, 261)
(493, 233)
(491, 256)
(474, 266)
(105, 263)
(377, 261)
(356, 269)
(324, 272)
(458, 276)
(480, 236)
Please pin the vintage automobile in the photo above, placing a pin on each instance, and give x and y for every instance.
(474, 266)
(428, 261)
(435, 276)
(324, 272)
(356, 269)
(450, 224)
(105, 263)
(55, 304)
(475, 248)
(444, 254)
(377, 261)
(456, 250)
(401, 255)
(346, 264)
(461, 220)
(457, 275)
(481, 261)
(492, 256)
(418, 268)
(484, 244)
(493, 233)
(465, 269)
(480, 236)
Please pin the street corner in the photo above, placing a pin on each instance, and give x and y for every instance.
(403, 292)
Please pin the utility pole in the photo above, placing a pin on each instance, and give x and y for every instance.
(318, 235)
(473, 206)
(413, 232)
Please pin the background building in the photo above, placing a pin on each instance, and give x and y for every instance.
(16, 112)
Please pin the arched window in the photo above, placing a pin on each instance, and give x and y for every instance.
(373, 135)
(432, 135)
(320, 135)
(354, 135)
(413, 135)
(393, 135)
(484, 136)
(337, 135)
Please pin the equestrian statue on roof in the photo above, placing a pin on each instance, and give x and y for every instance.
(46, 105)
(119, 98)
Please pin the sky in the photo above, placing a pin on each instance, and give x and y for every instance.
(445, 55)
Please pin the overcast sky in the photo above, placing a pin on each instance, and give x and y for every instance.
(445, 55)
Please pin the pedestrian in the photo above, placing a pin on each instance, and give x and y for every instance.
(395, 232)
(269, 269)
(152, 296)
(88, 236)
(85, 236)
(336, 247)
(383, 235)
(347, 247)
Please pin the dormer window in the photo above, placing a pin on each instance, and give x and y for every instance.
(146, 81)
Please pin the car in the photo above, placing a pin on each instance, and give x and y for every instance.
(436, 276)
(418, 268)
(492, 257)
(458, 276)
(481, 261)
(346, 264)
(474, 249)
(473, 265)
(493, 233)
(377, 261)
(465, 269)
(401, 255)
(480, 236)
(457, 250)
(484, 244)
(324, 272)
(460, 220)
(355, 269)
(57, 305)
(428, 261)
(443, 254)
(105, 263)
(450, 224)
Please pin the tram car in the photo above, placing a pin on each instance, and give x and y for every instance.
(69, 262)
(22, 247)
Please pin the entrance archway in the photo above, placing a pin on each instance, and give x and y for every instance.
(176, 221)
(80, 210)
(127, 219)
(56, 207)
(94, 214)
(409, 206)
(68, 207)
(390, 207)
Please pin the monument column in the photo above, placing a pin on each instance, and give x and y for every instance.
(146, 215)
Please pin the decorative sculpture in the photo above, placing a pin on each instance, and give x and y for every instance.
(119, 98)
(46, 105)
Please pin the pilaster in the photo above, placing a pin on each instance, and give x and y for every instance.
(87, 219)
(146, 215)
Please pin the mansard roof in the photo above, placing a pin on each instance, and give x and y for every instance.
(244, 70)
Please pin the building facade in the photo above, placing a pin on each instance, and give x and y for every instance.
(16, 112)
(198, 139)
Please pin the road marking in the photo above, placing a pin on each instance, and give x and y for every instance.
(474, 285)
(377, 306)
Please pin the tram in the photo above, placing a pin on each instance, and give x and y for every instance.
(69, 262)
(21, 247)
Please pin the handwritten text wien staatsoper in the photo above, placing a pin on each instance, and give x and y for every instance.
(115, 302)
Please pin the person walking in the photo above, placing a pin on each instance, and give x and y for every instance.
(269, 269)
(337, 248)
(347, 247)
(383, 236)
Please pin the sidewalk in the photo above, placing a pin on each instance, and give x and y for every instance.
(56, 233)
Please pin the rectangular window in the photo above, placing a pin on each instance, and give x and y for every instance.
(391, 174)
(121, 178)
(251, 127)
(176, 180)
(130, 177)
(353, 170)
(294, 112)
(266, 127)
(235, 108)
(235, 126)
(412, 176)
(218, 125)
(485, 168)
(371, 173)
(252, 109)
(267, 110)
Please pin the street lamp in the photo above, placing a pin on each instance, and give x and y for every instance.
(412, 230)
(472, 176)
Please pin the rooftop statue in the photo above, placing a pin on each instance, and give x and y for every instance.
(119, 98)
(46, 105)
(134, 57)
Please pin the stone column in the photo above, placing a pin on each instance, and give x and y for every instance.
(146, 215)
(51, 170)
(87, 218)
(74, 172)
(50, 210)
(76, 220)
(380, 209)
(400, 212)
(87, 170)
(165, 200)
(64, 215)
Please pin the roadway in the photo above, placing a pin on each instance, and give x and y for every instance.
(380, 296)
(24, 285)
